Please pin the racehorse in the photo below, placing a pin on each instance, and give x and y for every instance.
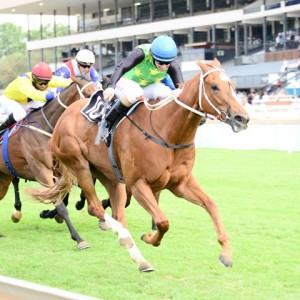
(17, 214)
(28, 153)
(153, 149)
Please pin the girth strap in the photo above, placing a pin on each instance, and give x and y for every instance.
(6, 156)
(112, 157)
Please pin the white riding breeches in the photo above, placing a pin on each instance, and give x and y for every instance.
(132, 91)
(33, 104)
(12, 107)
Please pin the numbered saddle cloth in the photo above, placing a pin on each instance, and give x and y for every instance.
(96, 108)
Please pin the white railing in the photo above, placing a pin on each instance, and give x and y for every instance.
(11, 288)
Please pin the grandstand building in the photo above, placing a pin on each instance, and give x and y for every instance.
(231, 30)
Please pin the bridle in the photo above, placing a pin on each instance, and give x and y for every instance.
(80, 92)
(223, 116)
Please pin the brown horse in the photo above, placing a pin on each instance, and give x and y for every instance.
(28, 151)
(153, 149)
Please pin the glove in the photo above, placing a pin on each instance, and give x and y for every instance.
(108, 94)
(58, 90)
(50, 96)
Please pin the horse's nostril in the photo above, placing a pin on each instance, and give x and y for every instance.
(241, 119)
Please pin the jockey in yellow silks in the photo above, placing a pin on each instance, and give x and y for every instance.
(28, 91)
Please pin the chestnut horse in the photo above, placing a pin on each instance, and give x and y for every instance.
(153, 149)
(28, 151)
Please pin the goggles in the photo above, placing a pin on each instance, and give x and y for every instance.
(161, 63)
(41, 81)
(82, 65)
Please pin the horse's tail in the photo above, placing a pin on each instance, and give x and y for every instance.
(64, 180)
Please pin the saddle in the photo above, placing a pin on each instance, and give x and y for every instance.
(96, 110)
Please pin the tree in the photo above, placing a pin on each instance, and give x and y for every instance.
(11, 66)
(13, 39)
(48, 32)
(13, 56)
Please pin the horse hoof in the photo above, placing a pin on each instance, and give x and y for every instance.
(225, 261)
(83, 245)
(16, 216)
(126, 242)
(145, 267)
(104, 226)
(59, 219)
(79, 205)
(105, 203)
(2, 236)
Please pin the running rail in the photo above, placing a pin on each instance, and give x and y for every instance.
(16, 289)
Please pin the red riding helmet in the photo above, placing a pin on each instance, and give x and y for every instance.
(42, 71)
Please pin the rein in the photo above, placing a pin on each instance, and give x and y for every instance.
(80, 92)
(222, 116)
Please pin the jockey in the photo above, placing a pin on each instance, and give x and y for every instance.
(144, 72)
(82, 64)
(28, 91)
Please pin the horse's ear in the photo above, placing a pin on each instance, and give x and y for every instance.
(200, 64)
(216, 63)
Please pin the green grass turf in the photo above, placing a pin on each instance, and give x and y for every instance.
(258, 196)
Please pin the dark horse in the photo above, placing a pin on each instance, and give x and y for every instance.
(28, 151)
(153, 149)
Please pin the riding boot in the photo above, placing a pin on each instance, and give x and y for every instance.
(118, 110)
(7, 123)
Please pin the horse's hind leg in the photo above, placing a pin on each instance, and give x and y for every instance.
(60, 213)
(17, 214)
(192, 192)
(63, 212)
(52, 214)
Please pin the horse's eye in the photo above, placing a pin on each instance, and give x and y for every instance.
(214, 87)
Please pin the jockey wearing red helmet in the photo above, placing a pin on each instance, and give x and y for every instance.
(29, 90)
(42, 71)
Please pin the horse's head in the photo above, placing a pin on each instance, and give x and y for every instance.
(217, 96)
(85, 86)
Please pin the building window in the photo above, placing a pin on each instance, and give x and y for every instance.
(161, 9)
(143, 12)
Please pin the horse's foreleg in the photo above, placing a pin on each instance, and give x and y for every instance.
(144, 195)
(17, 214)
(80, 204)
(86, 182)
(5, 181)
(192, 192)
(153, 225)
(124, 234)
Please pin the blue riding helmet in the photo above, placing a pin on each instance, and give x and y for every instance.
(163, 48)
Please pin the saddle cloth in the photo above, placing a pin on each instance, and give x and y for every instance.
(96, 109)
